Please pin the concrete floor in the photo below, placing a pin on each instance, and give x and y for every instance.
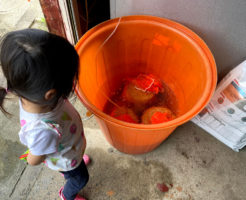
(192, 163)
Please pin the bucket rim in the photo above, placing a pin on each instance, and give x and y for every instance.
(183, 30)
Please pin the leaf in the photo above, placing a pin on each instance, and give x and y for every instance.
(110, 193)
(162, 187)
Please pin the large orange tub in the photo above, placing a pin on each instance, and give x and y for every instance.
(144, 44)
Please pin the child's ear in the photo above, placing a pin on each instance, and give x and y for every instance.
(50, 94)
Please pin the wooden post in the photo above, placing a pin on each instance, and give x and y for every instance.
(53, 17)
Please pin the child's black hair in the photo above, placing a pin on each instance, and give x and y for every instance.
(35, 61)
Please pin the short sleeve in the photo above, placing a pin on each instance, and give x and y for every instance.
(45, 142)
(41, 140)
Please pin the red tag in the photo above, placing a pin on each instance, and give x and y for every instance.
(159, 117)
(148, 83)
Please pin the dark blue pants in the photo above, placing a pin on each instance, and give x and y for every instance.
(76, 180)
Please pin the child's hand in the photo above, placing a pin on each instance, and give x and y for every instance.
(35, 160)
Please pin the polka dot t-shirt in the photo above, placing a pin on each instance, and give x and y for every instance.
(57, 134)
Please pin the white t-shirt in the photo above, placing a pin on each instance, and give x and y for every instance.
(57, 134)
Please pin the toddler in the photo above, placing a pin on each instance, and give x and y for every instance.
(42, 70)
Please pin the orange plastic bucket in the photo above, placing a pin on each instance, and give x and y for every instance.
(144, 44)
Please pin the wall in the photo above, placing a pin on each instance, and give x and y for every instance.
(220, 23)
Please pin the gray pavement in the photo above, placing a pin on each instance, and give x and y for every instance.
(193, 164)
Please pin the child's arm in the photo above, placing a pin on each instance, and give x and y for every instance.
(35, 160)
